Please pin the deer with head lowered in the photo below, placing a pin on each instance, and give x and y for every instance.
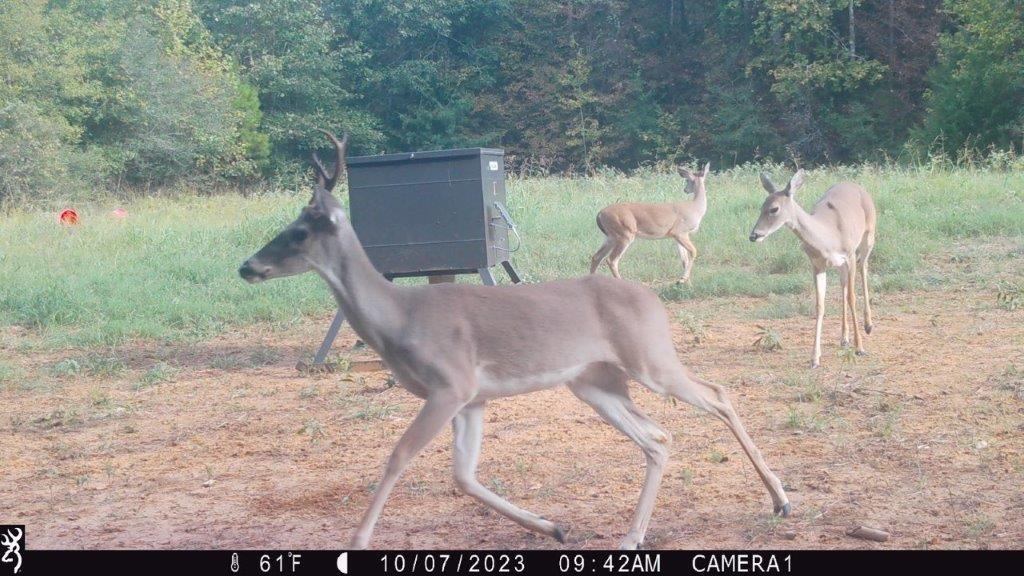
(457, 346)
(623, 223)
(838, 232)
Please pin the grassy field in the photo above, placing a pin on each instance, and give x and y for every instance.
(167, 271)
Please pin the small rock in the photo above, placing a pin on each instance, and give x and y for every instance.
(209, 483)
(981, 445)
(789, 534)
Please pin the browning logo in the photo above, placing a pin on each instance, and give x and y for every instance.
(12, 538)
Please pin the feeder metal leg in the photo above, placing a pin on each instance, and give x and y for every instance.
(487, 277)
(332, 333)
(512, 274)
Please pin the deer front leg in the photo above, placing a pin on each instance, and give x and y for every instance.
(438, 411)
(819, 291)
(844, 278)
(468, 433)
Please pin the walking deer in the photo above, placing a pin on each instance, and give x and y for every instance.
(622, 223)
(838, 232)
(453, 346)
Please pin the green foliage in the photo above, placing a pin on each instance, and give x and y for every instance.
(158, 93)
(976, 98)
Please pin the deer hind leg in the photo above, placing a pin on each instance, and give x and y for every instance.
(468, 431)
(437, 412)
(852, 303)
(620, 247)
(684, 239)
(862, 261)
(844, 279)
(677, 381)
(819, 314)
(601, 253)
(605, 390)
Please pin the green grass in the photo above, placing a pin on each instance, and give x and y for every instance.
(168, 271)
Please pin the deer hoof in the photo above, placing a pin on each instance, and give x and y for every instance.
(868, 327)
(560, 534)
(815, 364)
(844, 343)
(862, 352)
(783, 510)
(630, 542)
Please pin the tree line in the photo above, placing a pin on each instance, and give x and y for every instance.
(102, 93)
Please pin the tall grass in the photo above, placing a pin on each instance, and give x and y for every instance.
(167, 271)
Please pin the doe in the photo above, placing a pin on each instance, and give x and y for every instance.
(838, 232)
(453, 346)
(622, 223)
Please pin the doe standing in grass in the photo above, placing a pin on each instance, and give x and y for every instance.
(624, 222)
(838, 232)
(451, 344)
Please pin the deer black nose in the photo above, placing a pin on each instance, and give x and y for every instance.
(247, 272)
(754, 236)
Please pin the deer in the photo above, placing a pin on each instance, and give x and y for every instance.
(839, 232)
(622, 223)
(453, 346)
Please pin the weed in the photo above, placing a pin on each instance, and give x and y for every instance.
(1010, 296)
(980, 526)
(158, 374)
(1011, 380)
(717, 457)
(694, 325)
(886, 423)
(313, 429)
(768, 340)
(372, 411)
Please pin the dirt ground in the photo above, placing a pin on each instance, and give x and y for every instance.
(226, 445)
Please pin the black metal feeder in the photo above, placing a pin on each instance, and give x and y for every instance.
(434, 214)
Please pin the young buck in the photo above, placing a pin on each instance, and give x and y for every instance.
(453, 346)
(622, 223)
(838, 232)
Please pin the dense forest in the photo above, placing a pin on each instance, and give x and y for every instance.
(99, 94)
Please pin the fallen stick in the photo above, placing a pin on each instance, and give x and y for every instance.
(867, 533)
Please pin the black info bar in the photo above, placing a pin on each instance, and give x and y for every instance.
(540, 562)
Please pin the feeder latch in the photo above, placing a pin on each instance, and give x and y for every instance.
(509, 225)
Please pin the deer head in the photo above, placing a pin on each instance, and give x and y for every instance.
(302, 246)
(779, 208)
(695, 180)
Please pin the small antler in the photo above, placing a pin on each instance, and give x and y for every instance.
(328, 182)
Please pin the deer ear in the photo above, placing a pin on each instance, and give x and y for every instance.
(766, 183)
(795, 182)
(707, 168)
(685, 173)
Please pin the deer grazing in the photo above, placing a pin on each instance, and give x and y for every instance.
(453, 346)
(622, 223)
(838, 232)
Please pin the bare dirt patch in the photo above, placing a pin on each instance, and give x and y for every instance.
(231, 447)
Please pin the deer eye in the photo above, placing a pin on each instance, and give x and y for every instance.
(299, 235)
(774, 210)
